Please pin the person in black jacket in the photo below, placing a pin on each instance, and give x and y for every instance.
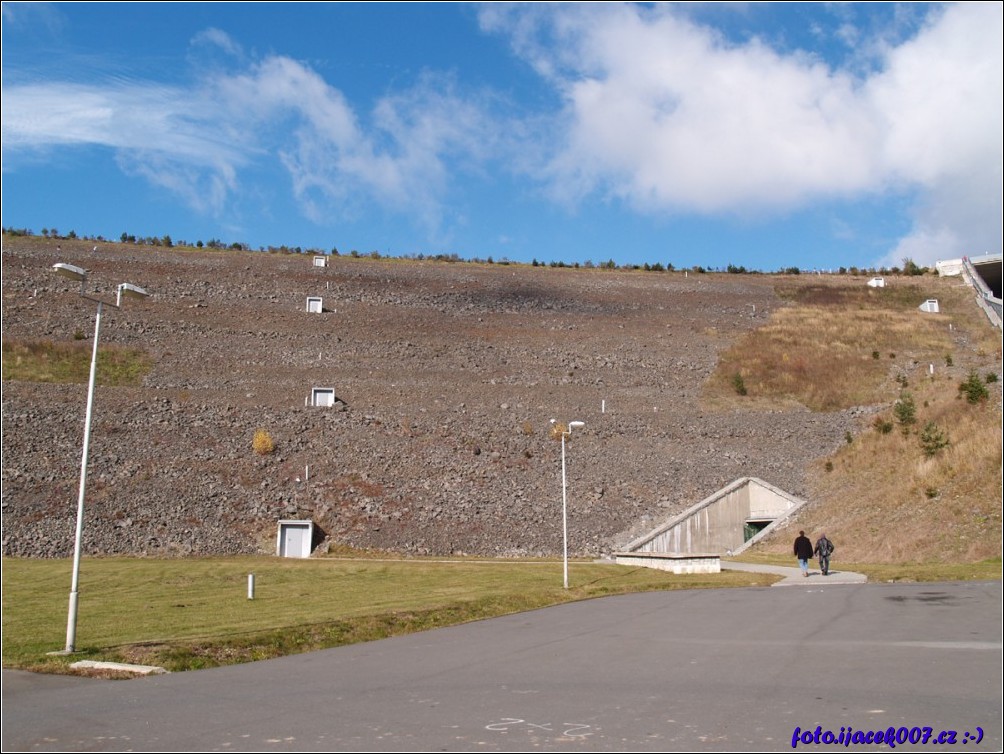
(803, 551)
(823, 550)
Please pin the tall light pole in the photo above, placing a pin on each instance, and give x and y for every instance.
(125, 289)
(565, 431)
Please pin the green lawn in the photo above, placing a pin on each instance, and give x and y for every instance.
(195, 612)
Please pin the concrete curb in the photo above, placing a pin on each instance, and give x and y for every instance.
(138, 669)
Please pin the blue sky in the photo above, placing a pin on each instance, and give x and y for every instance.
(814, 135)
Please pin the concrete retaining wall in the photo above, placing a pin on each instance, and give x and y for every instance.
(678, 564)
(715, 525)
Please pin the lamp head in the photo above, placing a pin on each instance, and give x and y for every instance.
(132, 291)
(561, 431)
(70, 271)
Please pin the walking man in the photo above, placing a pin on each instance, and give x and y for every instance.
(824, 548)
(803, 551)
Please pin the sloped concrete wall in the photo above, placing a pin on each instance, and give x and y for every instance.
(769, 502)
(715, 525)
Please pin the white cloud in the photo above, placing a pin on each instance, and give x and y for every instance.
(398, 158)
(220, 40)
(940, 98)
(18, 17)
(195, 140)
(657, 112)
(669, 117)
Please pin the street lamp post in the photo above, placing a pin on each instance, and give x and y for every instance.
(127, 289)
(566, 433)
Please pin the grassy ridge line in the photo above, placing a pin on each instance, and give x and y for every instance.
(190, 613)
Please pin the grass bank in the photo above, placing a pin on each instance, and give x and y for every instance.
(195, 613)
(840, 344)
(919, 481)
(45, 361)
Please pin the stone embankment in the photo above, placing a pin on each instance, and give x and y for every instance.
(447, 376)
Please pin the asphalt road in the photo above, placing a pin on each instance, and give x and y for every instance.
(736, 669)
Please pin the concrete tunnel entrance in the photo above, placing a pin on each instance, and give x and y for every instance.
(726, 523)
(752, 528)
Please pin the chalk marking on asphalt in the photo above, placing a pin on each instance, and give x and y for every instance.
(568, 730)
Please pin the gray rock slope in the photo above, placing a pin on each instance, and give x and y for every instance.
(446, 375)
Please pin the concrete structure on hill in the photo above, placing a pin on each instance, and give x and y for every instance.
(295, 539)
(726, 523)
(984, 274)
(949, 267)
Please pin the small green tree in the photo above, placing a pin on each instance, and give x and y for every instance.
(738, 384)
(974, 389)
(882, 426)
(933, 439)
(905, 412)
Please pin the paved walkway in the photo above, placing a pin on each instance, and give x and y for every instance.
(793, 575)
(703, 670)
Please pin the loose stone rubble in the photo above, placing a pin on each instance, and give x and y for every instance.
(446, 376)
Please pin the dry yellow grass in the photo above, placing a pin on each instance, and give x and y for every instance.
(840, 344)
(262, 443)
(885, 502)
(880, 498)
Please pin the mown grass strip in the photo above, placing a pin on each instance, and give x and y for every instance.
(192, 613)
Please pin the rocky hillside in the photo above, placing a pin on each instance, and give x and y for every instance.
(447, 376)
